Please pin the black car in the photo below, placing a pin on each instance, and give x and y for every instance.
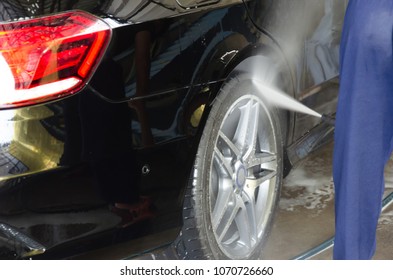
(105, 101)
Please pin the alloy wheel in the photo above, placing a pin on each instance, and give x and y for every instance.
(243, 177)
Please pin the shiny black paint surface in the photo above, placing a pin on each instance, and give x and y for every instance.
(138, 121)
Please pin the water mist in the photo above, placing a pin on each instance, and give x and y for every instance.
(282, 100)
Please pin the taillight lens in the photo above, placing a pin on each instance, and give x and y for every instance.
(48, 58)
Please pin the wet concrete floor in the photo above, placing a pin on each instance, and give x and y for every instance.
(304, 220)
(305, 217)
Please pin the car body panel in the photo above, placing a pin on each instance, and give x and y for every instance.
(143, 111)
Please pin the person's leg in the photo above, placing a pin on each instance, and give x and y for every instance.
(364, 126)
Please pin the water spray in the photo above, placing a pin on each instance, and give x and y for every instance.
(280, 99)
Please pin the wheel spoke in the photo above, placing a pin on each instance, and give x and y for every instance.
(261, 203)
(244, 125)
(232, 147)
(262, 177)
(246, 221)
(222, 164)
(252, 132)
(224, 202)
(230, 215)
(259, 159)
(243, 214)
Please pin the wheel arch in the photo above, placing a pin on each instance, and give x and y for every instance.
(247, 60)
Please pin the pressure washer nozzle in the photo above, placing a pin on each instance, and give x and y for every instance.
(328, 119)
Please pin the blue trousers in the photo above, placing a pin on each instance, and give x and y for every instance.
(364, 126)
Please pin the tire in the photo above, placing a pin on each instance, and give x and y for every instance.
(234, 188)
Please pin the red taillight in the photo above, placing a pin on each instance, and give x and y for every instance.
(48, 58)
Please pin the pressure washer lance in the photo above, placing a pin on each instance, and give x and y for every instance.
(328, 119)
(283, 100)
